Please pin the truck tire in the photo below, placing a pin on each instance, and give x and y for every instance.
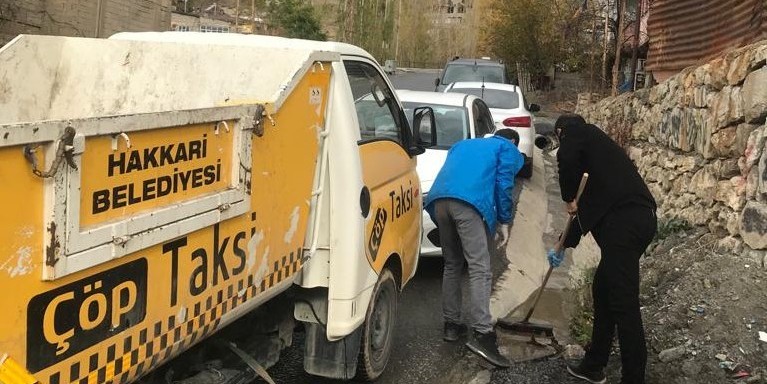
(378, 331)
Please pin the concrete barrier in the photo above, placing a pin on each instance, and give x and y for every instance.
(525, 249)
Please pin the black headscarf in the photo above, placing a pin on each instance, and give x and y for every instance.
(566, 121)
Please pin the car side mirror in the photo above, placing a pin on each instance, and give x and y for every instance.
(378, 95)
(436, 82)
(542, 141)
(534, 108)
(424, 129)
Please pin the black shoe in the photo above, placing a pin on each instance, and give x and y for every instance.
(486, 346)
(595, 377)
(453, 331)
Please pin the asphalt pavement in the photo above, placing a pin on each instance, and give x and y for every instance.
(414, 79)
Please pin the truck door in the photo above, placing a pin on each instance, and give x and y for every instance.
(393, 222)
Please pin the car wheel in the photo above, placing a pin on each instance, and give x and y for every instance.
(378, 332)
(527, 170)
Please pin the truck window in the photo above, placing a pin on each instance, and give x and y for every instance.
(377, 111)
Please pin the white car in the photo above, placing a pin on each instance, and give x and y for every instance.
(458, 117)
(510, 110)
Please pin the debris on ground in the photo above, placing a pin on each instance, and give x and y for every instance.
(672, 354)
(573, 352)
(704, 312)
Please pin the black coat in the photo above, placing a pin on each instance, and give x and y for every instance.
(613, 177)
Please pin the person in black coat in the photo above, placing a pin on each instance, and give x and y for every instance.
(617, 208)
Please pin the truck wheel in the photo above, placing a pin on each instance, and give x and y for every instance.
(378, 331)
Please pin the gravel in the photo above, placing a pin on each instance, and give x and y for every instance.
(536, 372)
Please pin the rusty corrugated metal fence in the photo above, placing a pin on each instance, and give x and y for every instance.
(688, 32)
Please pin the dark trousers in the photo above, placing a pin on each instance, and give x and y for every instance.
(622, 235)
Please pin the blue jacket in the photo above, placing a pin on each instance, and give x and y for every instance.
(481, 173)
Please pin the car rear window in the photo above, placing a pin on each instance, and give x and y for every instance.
(452, 122)
(470, 72)
(494, 98)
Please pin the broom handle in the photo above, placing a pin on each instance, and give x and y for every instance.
(581, 187)
(558, 248)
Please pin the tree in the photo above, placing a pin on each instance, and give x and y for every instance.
(295, 18)
(538, 34)
(414, 32)
(415, 42)
(370, 24)
(636, 39)
(606, 42)
(621, 6)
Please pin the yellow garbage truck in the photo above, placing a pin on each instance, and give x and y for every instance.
(156, 187)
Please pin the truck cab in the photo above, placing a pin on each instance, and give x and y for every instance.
(175, 182)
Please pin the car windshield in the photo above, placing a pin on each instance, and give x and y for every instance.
(470, 72)
(452, 122)
(494, 98)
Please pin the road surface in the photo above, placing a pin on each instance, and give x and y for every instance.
(414, 79)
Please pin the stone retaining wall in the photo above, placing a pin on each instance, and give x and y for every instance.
(698, 139)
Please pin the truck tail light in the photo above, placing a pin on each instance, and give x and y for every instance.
(519, 122)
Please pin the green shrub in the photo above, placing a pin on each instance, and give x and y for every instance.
(668, 227)
(582, 317)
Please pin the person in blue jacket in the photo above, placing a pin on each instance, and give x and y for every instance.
(471, 193)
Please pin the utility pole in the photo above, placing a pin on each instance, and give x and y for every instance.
(618, 44)
(253, 16)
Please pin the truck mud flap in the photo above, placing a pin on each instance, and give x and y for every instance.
(332, 359)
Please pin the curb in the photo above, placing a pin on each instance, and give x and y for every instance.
(525, 250)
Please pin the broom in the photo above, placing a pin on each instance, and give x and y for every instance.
(525, 326)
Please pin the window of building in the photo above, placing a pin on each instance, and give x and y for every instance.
(214, 29)
(181, 28)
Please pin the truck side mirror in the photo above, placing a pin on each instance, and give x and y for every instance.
(436, 83)
(534, 108)
(424, 129)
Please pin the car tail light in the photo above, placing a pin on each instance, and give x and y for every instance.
(519, 121)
